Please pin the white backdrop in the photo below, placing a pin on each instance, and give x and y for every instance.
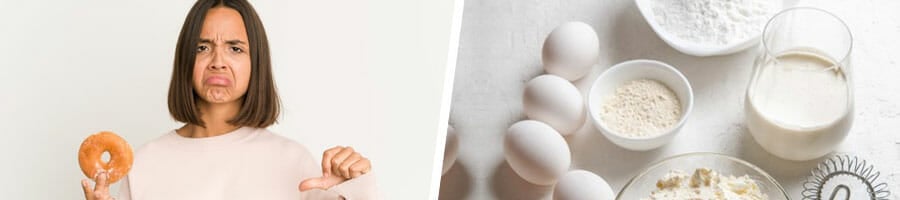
(368, 74)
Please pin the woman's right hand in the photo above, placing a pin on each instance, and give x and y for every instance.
(100, 190)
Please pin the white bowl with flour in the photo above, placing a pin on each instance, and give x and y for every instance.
(606, 87)
(708, 27)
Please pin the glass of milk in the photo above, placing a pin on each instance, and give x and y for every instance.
(799, 103)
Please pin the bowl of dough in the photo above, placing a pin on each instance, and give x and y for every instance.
(708, 27)
(703, 176)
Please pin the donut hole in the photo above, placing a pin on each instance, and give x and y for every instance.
(104, 157)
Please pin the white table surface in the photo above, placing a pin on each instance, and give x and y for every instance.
(499, 51)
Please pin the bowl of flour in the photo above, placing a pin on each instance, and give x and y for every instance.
(708, 27)
(640, 105)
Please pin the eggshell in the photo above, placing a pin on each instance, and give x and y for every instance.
(536, 152)
(555, 101)
(451, 149)
(571, 50)
(580, 184)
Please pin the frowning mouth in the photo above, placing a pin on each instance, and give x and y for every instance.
(218, 81)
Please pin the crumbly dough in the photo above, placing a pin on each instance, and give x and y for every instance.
(705, 184)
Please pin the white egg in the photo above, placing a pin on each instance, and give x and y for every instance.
(536, 152)
(571, 50)
(580, 184)
(554, 101)
(451, 149)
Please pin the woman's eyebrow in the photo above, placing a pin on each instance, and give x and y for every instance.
(233, 42)
(230, 42)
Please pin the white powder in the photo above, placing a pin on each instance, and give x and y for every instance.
(714, 22)
(641, 108)
(705, 184)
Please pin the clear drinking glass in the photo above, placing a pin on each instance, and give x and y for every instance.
(799, 103)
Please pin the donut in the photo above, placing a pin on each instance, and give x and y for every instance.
(120, 155)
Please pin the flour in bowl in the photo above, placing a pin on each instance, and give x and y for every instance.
(705, 183)
(714, 22)
(641, 108)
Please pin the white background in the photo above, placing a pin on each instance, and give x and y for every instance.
(499, 50)
(368, 74)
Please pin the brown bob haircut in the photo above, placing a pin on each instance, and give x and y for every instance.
(260, 106)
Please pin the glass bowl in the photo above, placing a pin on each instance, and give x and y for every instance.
(644, 183)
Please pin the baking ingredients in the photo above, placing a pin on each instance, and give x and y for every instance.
(705, 183)
(714, 22)
(536, 152)
(580, 184)
(554, 101)
(571, 50)
(451, 150)
(800, 97)
(641, 108)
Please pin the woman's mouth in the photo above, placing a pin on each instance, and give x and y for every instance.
(218, 80)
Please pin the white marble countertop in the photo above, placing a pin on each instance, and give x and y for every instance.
(499, 51)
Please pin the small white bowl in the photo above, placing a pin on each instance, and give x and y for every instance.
(605, 85)
(690, 47)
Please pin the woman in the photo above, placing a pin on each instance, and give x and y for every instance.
(222, 89)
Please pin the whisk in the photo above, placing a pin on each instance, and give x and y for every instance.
(845, 177)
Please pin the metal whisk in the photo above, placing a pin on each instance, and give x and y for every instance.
(845, 177)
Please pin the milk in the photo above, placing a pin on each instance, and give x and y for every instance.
(799, 105)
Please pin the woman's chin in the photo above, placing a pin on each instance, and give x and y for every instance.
(217, 95)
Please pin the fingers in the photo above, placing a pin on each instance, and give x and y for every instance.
(86, 186)
(327, 156)
(322, 183)
(100, 190)
(344, 162)
(308, 184)
(339, 159)
(102, 186)
(360, 167)
(344, 167)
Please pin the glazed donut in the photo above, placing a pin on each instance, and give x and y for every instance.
(120, 155)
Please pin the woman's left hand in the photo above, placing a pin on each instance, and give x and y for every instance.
(339, 164)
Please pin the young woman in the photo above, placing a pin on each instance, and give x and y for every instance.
(222, 89)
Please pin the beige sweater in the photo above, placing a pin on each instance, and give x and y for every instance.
(248, 163)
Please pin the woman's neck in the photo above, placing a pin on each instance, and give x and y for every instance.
(215, 117)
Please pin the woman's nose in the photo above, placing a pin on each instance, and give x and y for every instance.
(215, 66)
(218, 62)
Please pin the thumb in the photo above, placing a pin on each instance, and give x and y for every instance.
(322, 183)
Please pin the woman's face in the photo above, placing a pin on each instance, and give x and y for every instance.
(222, 67)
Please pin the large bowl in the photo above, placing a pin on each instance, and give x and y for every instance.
(619, 74)
(644, 183)
(690, 47)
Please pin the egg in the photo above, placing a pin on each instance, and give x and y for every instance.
(571, 50)
(536, 152)
(580, 184)
(554, 101)
(450, 150)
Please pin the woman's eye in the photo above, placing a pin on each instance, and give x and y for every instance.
(202, 48)
(237, 49)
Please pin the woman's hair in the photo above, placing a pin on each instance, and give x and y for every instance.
(260, 106)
